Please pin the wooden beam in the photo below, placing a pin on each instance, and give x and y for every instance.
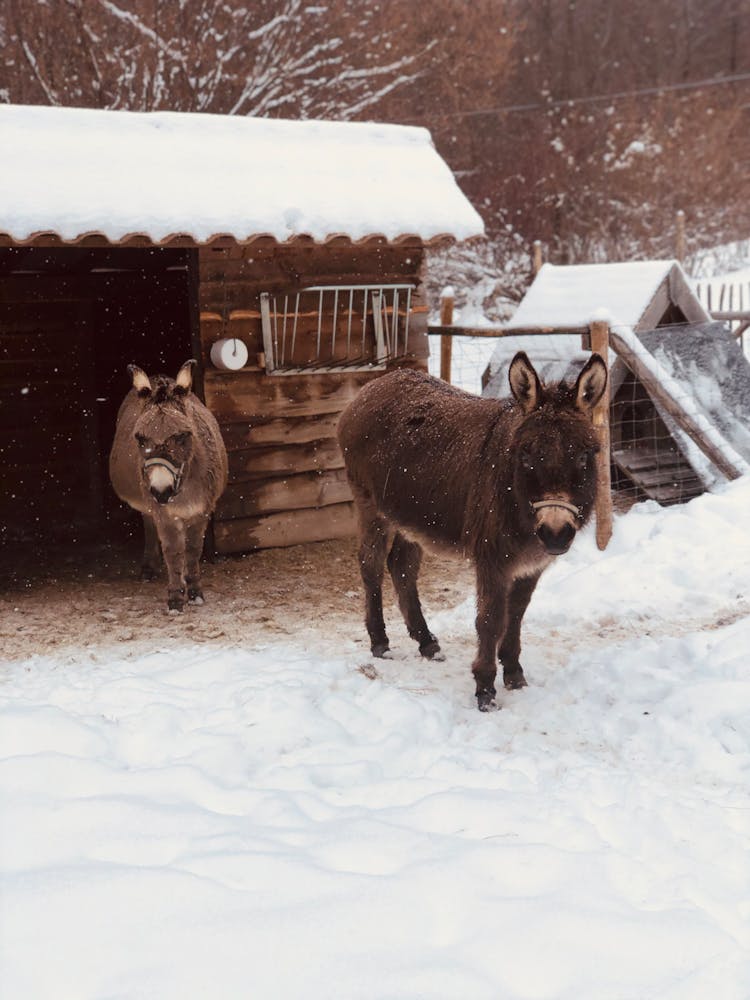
(446, 344)
(600, 420)
(679, 239)
(536, 257)
(501, 331)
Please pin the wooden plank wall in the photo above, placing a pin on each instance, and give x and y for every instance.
(287, 483)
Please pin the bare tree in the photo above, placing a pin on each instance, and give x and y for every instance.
(271, 58)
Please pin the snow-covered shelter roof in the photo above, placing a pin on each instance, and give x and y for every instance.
(573, 296)
(631, 295)
(77, 173)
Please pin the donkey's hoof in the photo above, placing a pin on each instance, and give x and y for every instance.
(381, 649)
(514, 681)
(176, 602)
(148, 573)
(486, 700)
(431, 649)
(195, 596)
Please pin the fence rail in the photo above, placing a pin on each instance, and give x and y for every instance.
(729, 301)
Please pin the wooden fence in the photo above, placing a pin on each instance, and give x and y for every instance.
(729, 301)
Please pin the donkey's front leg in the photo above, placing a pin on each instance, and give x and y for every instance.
(194, 535)
(490, 624)
(172, 538)
(510, 647)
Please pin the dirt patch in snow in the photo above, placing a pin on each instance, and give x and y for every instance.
(87, 601)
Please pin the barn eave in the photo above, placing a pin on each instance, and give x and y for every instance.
(186, 240)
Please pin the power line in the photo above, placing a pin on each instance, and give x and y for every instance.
(599, 98)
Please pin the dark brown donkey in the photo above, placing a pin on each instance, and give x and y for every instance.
(169, 462)
(506, 482)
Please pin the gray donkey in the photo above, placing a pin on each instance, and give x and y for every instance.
(168, 461)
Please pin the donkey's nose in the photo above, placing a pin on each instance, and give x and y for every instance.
(162, 496)
(556, 540)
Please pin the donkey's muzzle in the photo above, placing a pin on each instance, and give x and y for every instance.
(163, 479)
(163, 496)
(556, 540)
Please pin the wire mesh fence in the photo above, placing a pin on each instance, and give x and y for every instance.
(679, 410)
(469, 359)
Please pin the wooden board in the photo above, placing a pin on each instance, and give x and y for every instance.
(288, 528)
(262, 463)
(664, 478)
(280, 431)
(306, 489)
(239, 397)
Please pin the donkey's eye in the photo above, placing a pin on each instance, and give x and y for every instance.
(527, 459)
(181, 440)
(141, 440)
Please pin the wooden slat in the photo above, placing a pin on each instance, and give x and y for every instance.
(643, 459)
(307, 489)
(239, 396)
(664, 480)
(666, 495)
(289, 528)
(280, 431)
(599, 334)
(260, 463)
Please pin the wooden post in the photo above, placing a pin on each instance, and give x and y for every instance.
(599, 333)
(680, 236)
(536, 256)
(446, 343)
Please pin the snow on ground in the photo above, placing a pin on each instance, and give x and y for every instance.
(287, 818)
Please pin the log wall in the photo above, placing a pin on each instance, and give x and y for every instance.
(286, 474)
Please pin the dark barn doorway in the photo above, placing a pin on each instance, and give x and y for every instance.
(71, 320)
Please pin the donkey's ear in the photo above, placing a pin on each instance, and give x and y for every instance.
(184, 381)
(590, 384)
(524, 382)
(141, 381)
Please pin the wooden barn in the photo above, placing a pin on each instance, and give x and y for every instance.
(663, 367)
(294, 250)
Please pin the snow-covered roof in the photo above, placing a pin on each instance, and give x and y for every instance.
(571, 296)
(574, 295)
(76, 172)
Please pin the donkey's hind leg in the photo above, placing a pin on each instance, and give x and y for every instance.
(372, 550)
(151, 565)
(404, 561)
